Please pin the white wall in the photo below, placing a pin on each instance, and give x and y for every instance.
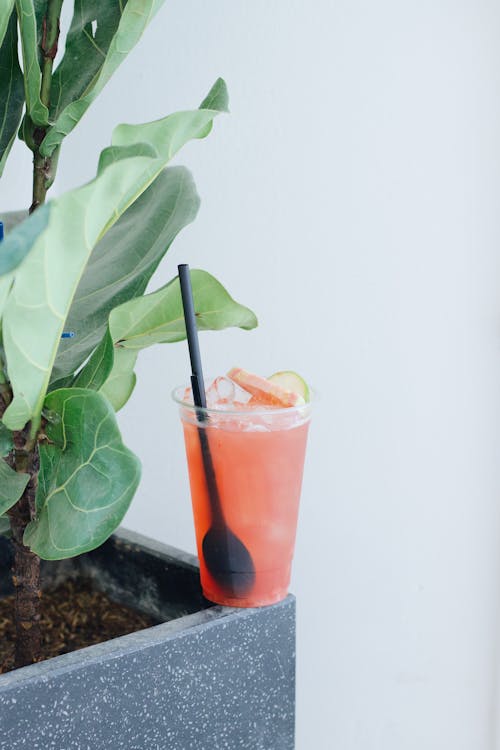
(352, 199)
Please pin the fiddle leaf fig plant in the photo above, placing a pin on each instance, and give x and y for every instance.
(79, 265)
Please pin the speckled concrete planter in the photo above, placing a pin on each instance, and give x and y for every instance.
(213, 677)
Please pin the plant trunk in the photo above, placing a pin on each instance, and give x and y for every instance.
(26, 567)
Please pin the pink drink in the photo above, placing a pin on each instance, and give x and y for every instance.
(258, 458)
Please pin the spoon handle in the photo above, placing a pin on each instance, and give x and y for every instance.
(198, 387)
(208, 464)
(213, 491)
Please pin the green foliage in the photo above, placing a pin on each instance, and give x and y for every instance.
(5, 287)
(157, 318)
(87, 476)
(49, 275)
(90, 60)
(12, 486)
(123, 262)
(30, 14)
(85, 52)
(19, 242)
(5, 15)
(4, 526)
(12, 88)
(6, 442)
(82, 262)
(97, 369)
(119, 385)
(217, 98)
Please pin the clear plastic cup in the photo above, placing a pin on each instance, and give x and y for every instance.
(257, 456)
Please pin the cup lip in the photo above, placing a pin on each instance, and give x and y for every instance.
(300, 408)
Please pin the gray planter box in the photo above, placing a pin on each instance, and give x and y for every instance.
(214, 677)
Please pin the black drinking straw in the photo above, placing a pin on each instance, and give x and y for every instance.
(197, 381)
(225, 555)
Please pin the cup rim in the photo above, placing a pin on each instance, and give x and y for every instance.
(300, 408)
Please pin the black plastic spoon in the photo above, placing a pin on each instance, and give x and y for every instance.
(227, 559)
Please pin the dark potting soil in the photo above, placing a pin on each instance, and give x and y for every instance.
(74, 615)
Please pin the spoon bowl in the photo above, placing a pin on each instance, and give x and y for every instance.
(228, 561)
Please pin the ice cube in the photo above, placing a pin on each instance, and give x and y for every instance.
(241, 396)
(220, 393)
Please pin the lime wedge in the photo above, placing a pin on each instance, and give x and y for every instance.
(291, 381)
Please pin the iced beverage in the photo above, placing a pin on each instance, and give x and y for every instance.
(257, 455)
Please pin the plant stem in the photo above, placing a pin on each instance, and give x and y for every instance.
(40, 167)
(43, 166)
(26, 566)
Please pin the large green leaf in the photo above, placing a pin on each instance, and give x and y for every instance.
(124, 260)
(158, 318)
(127, 137)
(87, 476)
(12, 485)
(46, 282)
(91, 59)
(30, 13)
(11, 89)
(5, 14)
